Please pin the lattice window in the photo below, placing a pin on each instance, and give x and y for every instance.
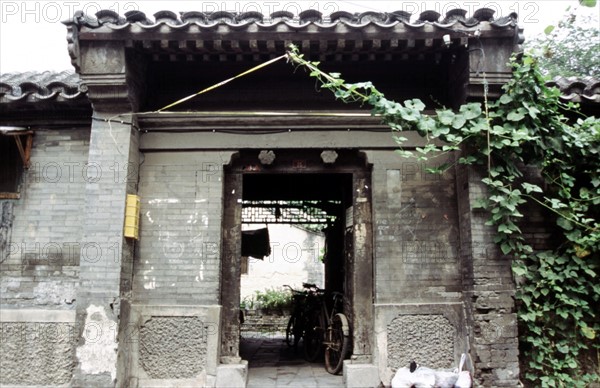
(288, 212)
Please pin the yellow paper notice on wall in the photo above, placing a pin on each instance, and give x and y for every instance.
(132, 217)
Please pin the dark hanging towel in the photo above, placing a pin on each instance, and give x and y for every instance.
(256, 243)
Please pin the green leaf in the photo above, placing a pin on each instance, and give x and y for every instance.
(588, 3)
(548, 30)
(505, 228)
(467, 160)
(588, 332)
(459, 121)
(505, 99)
(404, 153)
(519, 270)
(506, 248)
(415, 103)
(446, 117)
(531, 188)
(590, 272)
(515, 116)
(471, 111)
(409, 114)
(564, 223)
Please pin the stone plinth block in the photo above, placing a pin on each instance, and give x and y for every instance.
(232, 375)
(360, 375)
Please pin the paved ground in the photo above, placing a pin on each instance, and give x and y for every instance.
(273, 364)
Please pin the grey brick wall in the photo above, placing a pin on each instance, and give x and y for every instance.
(415, 231)
(178, 256)
(41, 268)
(103, 284)
(488, 289)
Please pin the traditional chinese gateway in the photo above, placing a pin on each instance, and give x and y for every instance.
(88, 299)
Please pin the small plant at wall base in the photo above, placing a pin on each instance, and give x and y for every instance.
(558, 289)
(273, 299)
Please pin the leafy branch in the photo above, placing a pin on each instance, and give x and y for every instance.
(558, 290)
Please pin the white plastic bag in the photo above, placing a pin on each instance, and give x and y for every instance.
(402, 378)
(424, 378)
(445, 378)
(464, 376)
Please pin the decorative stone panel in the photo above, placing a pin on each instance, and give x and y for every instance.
(36, 347)
(36, 353)
(423, 338)
(432, 334)
(173, 347)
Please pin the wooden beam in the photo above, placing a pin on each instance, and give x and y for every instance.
(24, 151)
(21, 151)
(7, 195)
(28, 146)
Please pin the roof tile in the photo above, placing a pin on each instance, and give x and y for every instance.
(36, 86)
(114, 21)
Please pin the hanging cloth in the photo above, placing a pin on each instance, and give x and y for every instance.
(255, 243)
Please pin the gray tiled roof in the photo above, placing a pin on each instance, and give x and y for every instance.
(582, 90)
(40, 86)
(209, 20)
(221, 36)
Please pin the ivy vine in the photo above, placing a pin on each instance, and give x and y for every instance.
(558, 290)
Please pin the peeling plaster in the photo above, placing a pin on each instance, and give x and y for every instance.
(99, 352)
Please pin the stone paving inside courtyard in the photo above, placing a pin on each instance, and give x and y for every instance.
(271, 363)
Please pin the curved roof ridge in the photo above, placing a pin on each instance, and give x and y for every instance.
(170, 18)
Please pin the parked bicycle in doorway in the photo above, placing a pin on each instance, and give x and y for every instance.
(327, 329)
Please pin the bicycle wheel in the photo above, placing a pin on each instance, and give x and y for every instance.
(337, 344)
(313, 340)
(289, 332)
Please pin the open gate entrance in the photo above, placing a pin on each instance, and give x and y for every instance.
(331, 188)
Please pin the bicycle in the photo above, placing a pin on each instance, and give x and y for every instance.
(327, 330)
(295, 326)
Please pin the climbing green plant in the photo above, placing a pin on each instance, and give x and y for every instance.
(558, 288)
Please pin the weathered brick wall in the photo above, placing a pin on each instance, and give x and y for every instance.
(416, 231)
(488, 289)
(418, 309)
(177, 260)
(102, 290)
(40, 268)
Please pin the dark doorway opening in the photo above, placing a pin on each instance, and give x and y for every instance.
(302, 187)
(306, 202)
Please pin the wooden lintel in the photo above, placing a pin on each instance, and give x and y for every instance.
(8, 195)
